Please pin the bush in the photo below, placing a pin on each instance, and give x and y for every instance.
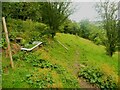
(3, 43)
(95, 76)
(30, 31)
(97, 41)
(39, 80)
(97, 37)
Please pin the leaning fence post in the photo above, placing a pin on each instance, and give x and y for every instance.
(8, 42)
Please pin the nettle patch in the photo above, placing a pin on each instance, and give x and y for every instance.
(66, 78)
(95, 76)
(41, 80)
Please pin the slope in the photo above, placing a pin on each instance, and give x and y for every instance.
(52, 66)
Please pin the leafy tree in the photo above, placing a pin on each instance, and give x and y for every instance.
(66, 26)
(21, 10)
(96, 33)
(119, 35)
(85, 31)
(107, 10)
(54, 14)
(118, 25)
(71, 27)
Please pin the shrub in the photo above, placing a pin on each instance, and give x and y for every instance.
(28, 30)
(97, 41)
(39, 80)
(95, 76)
(3, 43)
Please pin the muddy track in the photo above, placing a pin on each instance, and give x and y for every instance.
(82, 82)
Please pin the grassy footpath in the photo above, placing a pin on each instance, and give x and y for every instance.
(54, 66)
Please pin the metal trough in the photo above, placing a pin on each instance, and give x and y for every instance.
(29, 49)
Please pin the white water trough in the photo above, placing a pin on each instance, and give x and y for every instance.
(29, 49)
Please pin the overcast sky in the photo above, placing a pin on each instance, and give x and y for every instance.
(84, 10)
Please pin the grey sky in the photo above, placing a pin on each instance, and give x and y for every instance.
(84, 10)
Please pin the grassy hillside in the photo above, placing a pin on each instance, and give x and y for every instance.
(54, 66)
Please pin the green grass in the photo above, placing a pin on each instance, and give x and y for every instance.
(85, 49)
(80, 51)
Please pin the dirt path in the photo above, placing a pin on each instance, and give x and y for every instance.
(82, 82)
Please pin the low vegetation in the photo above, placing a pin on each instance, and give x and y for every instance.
(70, 51)
(95, 76)
(48, 66)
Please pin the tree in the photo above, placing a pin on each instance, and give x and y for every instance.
(107, 11)
(21, 10)
(71, 27)
(118, 26)
(54, 14)
(85, 31)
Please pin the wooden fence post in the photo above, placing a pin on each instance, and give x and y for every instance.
(8, 42)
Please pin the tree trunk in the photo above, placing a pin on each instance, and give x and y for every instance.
(110, 51)
(53, 34)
